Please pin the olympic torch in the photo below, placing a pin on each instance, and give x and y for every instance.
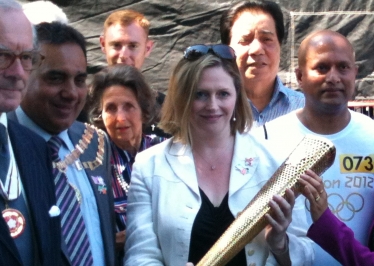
(313, 153)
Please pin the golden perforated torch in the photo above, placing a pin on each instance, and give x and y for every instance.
(315, 153)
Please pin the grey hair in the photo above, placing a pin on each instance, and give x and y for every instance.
(7, 5)
(44, 11)
(35, 42)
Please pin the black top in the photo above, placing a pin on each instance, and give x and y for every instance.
(210, 223)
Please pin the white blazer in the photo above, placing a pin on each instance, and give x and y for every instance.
(164, 200)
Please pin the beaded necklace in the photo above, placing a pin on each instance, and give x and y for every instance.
(125, 186)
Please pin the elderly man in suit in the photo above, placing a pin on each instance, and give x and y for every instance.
(55, 95)
(29, 224)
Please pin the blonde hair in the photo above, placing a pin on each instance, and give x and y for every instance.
(125, 18)
(176, 111)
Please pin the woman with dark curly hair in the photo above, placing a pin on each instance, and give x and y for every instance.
(121, 103)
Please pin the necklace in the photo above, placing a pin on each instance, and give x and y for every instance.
(15, 220)
(79, 150)
(99, 154)
(78, 194)
(11, 188)
(213, 166)
(125, 186)
(11, 191)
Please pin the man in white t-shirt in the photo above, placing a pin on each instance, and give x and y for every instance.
(326, 74)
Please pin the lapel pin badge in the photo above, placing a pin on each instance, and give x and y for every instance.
(101, 186)
(244, 169)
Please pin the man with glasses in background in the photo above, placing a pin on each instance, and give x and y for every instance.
(29, 225)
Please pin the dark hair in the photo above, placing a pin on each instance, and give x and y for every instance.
(176, 111)
(230, 15)
(59, 33)
(121, 75)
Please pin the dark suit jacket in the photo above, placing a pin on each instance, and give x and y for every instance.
(104, 202)
(32, 157)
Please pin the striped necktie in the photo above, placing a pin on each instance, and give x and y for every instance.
(4, 154)
(73, 228)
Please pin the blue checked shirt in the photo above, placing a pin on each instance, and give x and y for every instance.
(283, 101)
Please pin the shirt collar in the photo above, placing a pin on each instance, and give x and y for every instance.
(27, 122)
(3, 120)
(279, 91)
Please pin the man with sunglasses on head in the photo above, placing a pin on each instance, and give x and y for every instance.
(255, 30)
(29, 224)
(56, 93)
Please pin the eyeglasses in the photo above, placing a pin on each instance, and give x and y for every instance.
(221, 50)
(29, 60)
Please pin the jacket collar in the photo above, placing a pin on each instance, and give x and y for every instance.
(181, 161)
(243, 165)
(244, 162)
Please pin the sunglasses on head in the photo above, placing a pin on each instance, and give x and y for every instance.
(221, 50)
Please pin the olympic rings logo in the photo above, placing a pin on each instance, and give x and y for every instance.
(341, 207)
